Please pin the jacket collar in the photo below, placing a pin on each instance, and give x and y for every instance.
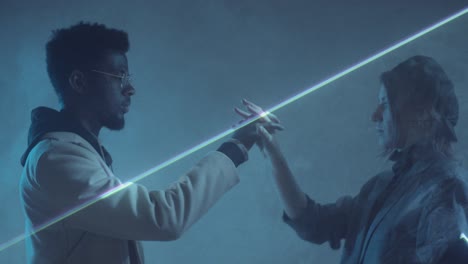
(46, 120)
(416, 157)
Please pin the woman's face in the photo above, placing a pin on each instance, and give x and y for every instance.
(384, 122)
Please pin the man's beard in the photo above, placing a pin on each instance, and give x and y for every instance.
(114, 123)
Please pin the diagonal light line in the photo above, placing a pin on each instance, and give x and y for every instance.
(23, 236)
(182, 155)
(369, 60)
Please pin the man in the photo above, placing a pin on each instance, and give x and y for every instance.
(65, 165)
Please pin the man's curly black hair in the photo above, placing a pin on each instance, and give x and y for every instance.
(79, 47)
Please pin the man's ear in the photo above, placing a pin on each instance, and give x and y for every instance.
(77, 82)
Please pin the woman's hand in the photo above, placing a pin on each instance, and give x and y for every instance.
(265, 127)
(294, 199)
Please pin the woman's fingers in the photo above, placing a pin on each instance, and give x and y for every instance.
(253, 107)
(264, 134)
(257, 110)
(274, 118)
(272, 127)
(242, 113)
(269, 121)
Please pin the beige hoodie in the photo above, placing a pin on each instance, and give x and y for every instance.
(64, 171)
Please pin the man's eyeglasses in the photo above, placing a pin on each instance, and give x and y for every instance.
(125, 79)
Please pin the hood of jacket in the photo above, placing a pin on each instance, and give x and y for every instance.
(45, 120)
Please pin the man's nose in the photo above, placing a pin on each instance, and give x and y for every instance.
(129, 90)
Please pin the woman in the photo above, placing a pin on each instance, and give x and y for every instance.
(414, 213)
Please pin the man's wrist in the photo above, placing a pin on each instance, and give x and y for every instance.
(242, 147)
(235, 150)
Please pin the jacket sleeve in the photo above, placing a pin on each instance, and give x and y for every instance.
(331, 222)
(443, 226)
(71, 176)
(320, 223)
